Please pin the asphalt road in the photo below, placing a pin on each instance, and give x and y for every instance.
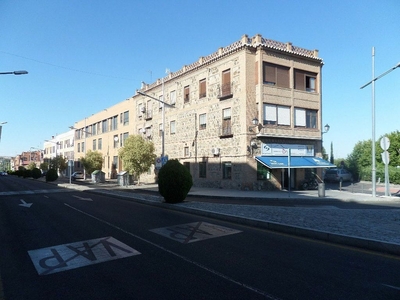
(76, 245)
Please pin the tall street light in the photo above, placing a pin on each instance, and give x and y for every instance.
(1, 123)
(373, 115)
(22, 72)
(163, 118)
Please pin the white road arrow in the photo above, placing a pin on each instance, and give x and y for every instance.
(84, 199)
(24, 204)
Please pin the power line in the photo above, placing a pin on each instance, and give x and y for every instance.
(65, 68)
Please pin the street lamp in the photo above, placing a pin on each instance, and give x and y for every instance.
(326, 127)
(22, 72)
(163, 117)
(373, 115)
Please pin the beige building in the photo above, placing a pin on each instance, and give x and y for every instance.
(234, 118)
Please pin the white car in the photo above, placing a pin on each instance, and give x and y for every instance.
(77, 175)
(338, 175)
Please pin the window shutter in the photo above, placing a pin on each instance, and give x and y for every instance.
(269, 74)
(300, 117)
(299, 79)
(270, 113)
(282, 76)
(283, 115)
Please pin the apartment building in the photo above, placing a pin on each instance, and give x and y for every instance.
(61, 145)
(247, 116)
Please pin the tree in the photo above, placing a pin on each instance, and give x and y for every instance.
(137, 155)
(92, 161)
(332, 159)
(44, 166)
(324, 155)
(31, 166)
(58, 163)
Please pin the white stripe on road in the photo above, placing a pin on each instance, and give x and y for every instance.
(226, 277)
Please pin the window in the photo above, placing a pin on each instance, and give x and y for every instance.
(94, 144)
(115, 140)
(114, 123)
(202, 88)
(186, 151)
(305, 81)
(124, 137)
(186, 92)
(226, 122)
(126, 118)
(276, 115)
(160, 130)
(276, 75)
(160, 104)
(202, 170)
(79, 147)
(172, 97)
(225, 91)
(172, 127)
(149, 110)
(98, 127)
(94, 127)
(99, 144)
(203, 121)
(263, 172)
(305, 118)
(83, 146)
(227, 170)
(115, 162)
(104, 126)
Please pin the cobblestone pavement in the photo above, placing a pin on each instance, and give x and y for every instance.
(376, 228)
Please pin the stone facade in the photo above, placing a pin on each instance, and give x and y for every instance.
(214, 100)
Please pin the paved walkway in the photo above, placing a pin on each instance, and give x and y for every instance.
(369, 228)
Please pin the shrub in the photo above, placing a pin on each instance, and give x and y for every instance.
(174, 181)
(51, 175)
(36, 173)
(27, 173)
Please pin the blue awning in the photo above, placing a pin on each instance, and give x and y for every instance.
(277, 162)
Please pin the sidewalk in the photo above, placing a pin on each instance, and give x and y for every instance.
(375, 229)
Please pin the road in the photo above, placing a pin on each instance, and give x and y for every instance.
(60, 244)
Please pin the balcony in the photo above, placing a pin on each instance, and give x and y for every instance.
(225, 91)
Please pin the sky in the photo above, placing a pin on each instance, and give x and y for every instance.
(85, 56)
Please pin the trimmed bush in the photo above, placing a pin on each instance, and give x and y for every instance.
(36, 173)
(27, 173)
(174, 181)
(51, 175)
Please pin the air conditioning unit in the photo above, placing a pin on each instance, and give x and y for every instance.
(143, 109)
(215, 151)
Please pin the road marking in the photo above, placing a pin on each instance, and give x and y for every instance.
(32, 192)
(76, 255)
(84, 199)
(391, 286)
(194, 232)
(24, 204)
(184, 258)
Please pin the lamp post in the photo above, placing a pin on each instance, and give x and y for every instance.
(22, 72)
(372, 82)
(163, 117)
(1, 127)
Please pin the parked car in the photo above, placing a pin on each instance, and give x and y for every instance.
(336, 174)
(77, 175)
(3, 173)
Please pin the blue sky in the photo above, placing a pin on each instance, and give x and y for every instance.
(84, 56)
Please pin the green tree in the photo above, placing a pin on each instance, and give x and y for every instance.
(137, 155)
(92, 161)
(332, 159)
(324, 155)
(58, 163)
(31, 166)
(44, 166)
